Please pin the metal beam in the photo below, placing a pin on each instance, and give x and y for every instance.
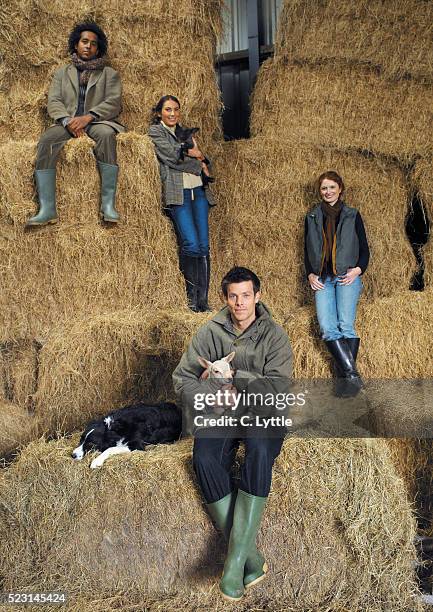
(253, 39)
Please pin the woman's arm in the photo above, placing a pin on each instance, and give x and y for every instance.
(364, 251)
(168, 152)
(313, 279)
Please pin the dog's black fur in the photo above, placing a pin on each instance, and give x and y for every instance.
(184, 134)
(133, 428)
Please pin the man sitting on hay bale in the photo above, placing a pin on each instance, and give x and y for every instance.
(84, 97)
(262, 366)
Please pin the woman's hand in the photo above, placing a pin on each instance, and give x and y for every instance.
(195, 151)
(315, 284)
(349, 277)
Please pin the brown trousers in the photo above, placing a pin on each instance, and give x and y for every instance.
(54, 139)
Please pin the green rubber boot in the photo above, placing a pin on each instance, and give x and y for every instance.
(221, 513)
(246, 522)
(46, 186)
(109, 173)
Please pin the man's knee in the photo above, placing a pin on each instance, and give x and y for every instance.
(263, 451)
(102, 133)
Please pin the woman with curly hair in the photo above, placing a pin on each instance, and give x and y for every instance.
(84, 97)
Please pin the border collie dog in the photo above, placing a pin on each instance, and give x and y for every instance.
(131, 428)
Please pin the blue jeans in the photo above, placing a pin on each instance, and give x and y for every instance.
(191, 223)
(336, 308)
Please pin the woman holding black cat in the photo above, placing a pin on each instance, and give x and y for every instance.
(181, 165)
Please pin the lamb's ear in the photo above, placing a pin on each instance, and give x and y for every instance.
(229, 357)
(204, 362)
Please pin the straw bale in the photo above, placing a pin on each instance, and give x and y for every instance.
(17, 428)
(396, 339)
(342, 106)
(423, 182)
(80, 264)
(397, 336)
(98, 363)
(259, 220)
(146, 40)
(138, 190)
(395, 36)
(138, 526)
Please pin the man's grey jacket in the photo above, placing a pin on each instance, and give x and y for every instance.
(103, 95)
(262, 364)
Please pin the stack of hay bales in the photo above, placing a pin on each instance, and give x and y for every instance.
(351, 75)
(157, 47)
(354, 79)
(136, 531)
(267, 187)
(79, 267)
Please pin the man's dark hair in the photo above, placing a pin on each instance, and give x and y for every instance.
(239, 275)
(88, 26)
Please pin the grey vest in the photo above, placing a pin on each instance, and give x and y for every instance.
(347, 254)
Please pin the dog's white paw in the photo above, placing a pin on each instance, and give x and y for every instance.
(96, 463)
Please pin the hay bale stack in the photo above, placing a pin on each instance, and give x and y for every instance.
(396, 338)
(397, 334)
(52, 273)
(138, 526)
(423, 181)
(268, 187)
(95, 364)
(343, 106)
(17, 427)
(157, 48)
(394, 36)
(98, 363)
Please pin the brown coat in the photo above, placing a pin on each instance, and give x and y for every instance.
(103, 95)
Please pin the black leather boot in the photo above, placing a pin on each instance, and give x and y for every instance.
(188, 266)
(353, 344)
(346, 367)
(203, 279)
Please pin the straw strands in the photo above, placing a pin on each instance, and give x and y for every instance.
(343, 107)
(138, 526)
(18, 371)
(101, 362)
(17, 428)
(395, 36)
(268, 188)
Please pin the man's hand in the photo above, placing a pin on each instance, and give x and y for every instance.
(77, 125)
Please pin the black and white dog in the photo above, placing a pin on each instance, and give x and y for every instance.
(131, 428)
